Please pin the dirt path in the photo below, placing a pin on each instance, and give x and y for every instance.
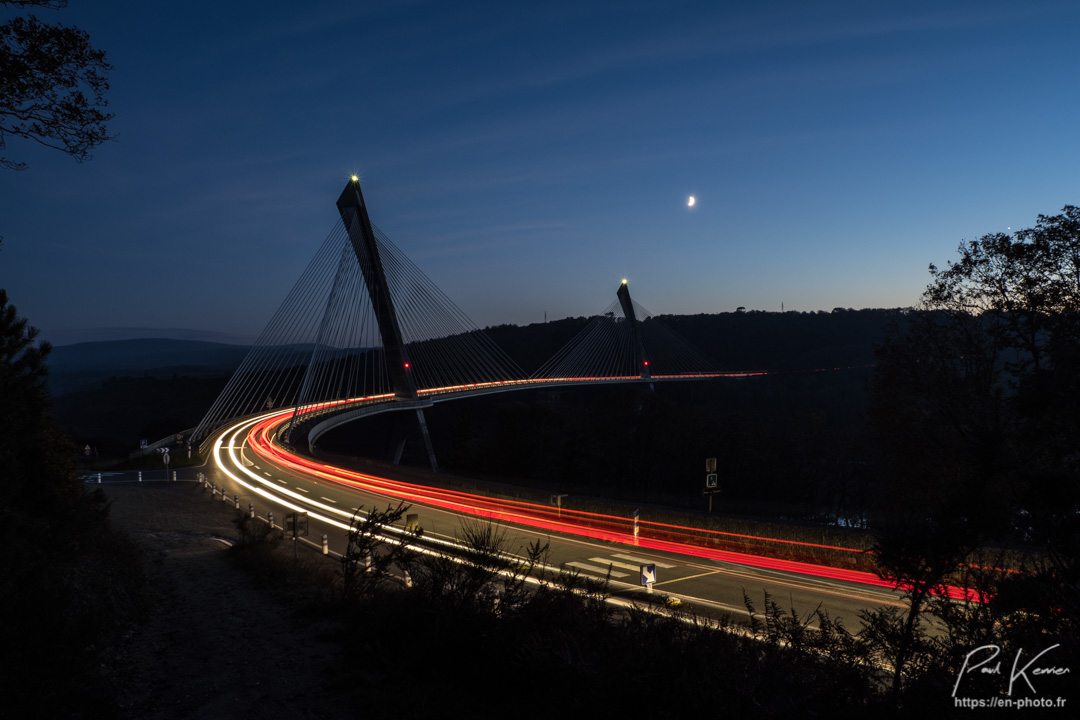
(216, 645)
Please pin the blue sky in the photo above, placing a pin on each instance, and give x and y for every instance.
(529, 156)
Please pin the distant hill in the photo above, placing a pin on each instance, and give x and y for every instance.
(112, 394)
(736, 341)
(84, 366)
(755, 340)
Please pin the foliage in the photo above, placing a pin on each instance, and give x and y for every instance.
(52, 86)
(984, 383)
(977, 407)
(371, 554)
(254, 532)
(485, 577)
(70, 585)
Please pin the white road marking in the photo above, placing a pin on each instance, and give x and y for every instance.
(303, 490)
(330, 500)
(643, 561)
(600, 570)
(624, 566)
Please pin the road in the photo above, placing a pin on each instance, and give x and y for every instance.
(249, 465)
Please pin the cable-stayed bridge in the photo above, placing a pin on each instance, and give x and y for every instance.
(365, 331)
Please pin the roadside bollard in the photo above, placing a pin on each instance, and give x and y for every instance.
(251, 510)
(224, 497)
(174, 476)
(99, 478)
(325, 544)
(270, 517)
(140, 476)
(408, 579)
(213, 490)
(236, 499)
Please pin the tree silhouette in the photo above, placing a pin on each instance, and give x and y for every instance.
(70, 580)
(977, 406)
(52, 85)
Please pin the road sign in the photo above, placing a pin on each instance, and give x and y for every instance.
(165, 457)
(710, 480)
(710, 491)
(296, 524)
(710, 465)
(86, 450)
(648, 574)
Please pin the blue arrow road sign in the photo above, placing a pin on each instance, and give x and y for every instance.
(648, 574)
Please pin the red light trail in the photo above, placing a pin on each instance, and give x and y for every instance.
(695, 542)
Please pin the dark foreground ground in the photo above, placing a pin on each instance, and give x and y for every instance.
(216, 644)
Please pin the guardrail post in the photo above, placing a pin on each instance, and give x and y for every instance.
(325, 545)
(251, 510)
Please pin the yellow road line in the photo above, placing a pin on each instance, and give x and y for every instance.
(688, 577)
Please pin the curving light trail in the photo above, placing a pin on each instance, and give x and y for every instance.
(683, 540)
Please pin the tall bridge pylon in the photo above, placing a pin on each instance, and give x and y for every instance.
(361, 322)
(641, 360)
(626, 341)
(354, 214)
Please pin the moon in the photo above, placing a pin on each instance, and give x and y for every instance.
(691, 201)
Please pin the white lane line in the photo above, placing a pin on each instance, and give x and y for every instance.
(283, 482)
(624, 566)
(643, 561)
(303, 490)
(329, 500)
(595, 569)
(267, 474)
